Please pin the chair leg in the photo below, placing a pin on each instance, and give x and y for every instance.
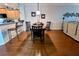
(17, 34)
(43, 36)
(9, 34)
(32, 36)
(42, 39)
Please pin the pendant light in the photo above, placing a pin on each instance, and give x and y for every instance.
(37, 12)
(5, 4)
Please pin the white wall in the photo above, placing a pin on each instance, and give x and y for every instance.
(22, 14)
(53, 12)
(29, 8)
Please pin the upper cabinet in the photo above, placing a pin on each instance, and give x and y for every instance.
(13, 14)
(2, 10)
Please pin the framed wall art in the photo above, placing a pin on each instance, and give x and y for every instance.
(33, 14)
(42, 16)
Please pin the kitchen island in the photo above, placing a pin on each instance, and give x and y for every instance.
(4, 35)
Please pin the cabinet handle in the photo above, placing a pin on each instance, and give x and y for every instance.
(76, 29)
(67, 28)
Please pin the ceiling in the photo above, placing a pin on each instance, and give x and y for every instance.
(14, 5)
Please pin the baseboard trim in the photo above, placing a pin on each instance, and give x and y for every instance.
(71, 37)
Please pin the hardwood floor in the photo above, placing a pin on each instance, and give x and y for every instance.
(56, 43)
(12, 47)
(37, 48)
(64, 44)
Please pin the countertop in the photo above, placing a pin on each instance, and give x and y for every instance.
(7, 23)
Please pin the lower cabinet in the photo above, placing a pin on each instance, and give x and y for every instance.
(77, 35)
(4, 37)
(71, 29)
(65, 27)
(13, 34)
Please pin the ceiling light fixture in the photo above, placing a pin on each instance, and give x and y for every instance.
(37, 12)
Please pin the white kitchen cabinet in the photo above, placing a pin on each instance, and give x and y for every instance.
(13, 33)
(3, 37)
(6, 35)
(72, 28)
(77, 34)
(65, 27)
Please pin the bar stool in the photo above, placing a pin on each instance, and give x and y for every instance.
(13, 29)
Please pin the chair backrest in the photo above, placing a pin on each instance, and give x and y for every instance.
(37, 27)
(48, 24)
(28, 26)
(34, 27)
(21, 21)
(37, 30)
(40, 27)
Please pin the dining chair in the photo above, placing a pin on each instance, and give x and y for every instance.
(28, 26)
(48, 24)
(37, 32)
